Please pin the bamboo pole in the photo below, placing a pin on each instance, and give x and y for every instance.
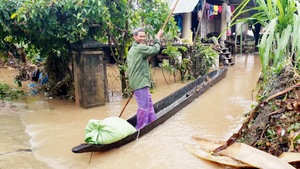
(166, 21)
(126, 104)
(170, 14)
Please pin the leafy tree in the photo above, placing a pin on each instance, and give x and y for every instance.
(51, 26)
(7, 27)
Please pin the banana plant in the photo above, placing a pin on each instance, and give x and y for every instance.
(280, 41)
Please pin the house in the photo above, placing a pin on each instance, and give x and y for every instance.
(214, 16)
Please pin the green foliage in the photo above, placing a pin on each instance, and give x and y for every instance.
(51, 26)
(176, 61)
(281, 22)
(172, 51)
(18, 82)
(168, 67)
(8, 93)
(153, 16)
(192, 63)
(294, 127)
(33, 54)
(204, 58)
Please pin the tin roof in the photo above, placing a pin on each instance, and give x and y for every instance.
(186, 6)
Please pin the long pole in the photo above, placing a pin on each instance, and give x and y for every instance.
(126, 104)
(163, 27)
(170, 14)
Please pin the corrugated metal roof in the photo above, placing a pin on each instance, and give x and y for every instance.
(184, 6)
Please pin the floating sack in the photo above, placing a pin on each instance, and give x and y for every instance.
(107, 131)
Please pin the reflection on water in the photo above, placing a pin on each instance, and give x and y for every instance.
(55, 126)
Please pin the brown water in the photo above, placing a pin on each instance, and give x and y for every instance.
(6, 76)
(55, 126)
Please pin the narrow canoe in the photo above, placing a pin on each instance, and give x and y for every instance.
(164, 109)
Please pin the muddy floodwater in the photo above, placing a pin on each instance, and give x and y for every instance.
(40, 133)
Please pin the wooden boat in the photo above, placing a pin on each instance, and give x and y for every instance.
(164, 109)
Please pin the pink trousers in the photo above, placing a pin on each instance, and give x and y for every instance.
(145, 112)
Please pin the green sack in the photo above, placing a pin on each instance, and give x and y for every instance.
(107, 131)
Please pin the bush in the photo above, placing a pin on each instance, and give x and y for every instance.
(8, 93)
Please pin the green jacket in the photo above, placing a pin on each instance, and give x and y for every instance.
(138, 66)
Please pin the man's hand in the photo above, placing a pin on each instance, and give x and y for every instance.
(159, 34)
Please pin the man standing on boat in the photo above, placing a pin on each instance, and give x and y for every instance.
(139, 75)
